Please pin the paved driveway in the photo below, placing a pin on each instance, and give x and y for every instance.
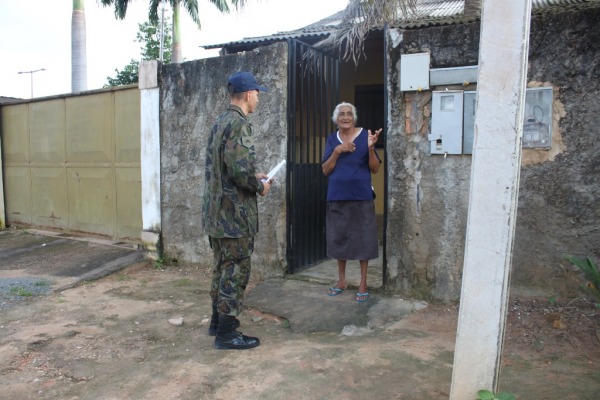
(34, 261)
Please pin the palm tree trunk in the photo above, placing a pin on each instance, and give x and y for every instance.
(78, 48)
(176, 56)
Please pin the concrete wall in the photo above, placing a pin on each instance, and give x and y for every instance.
(192, 95)
(558, 211)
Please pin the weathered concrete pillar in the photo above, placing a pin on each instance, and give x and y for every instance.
(2, 206)
(493, 197)
(150, 156)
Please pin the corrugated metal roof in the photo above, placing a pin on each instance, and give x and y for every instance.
(550, 3)
(428, 13)
(439, 8)
(318, 30)
(278, 37)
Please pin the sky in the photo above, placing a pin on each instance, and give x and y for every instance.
(36, 34)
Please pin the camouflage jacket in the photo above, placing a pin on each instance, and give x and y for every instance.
(229, 208)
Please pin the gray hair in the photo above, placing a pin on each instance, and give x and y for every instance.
(337, 111)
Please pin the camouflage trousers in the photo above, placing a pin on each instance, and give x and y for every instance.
(230, 273)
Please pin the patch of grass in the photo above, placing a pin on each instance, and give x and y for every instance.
(159, 264)
(61, 300)
(20, 291)
(445, 355)
(487, 395)
(42, 283)
(183, 282)
(122, 277)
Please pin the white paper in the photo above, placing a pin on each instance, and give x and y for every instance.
(274, 171)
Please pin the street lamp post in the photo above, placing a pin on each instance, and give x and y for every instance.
(162, 29)
(31, 76)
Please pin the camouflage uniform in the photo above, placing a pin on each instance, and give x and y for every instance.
(230, 211)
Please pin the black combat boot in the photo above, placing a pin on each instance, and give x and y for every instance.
(214, 322)
(229, 338)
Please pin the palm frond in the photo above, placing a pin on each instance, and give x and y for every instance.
(153, 10)
(191, 7)
(120, 7)
(590, 272)
(359, 17)
(239, 4)
(221, 5)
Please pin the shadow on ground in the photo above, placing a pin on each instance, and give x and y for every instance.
(308, 309)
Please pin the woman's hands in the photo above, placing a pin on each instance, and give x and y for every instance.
(373, 138)
(345, 148)
(374, 161)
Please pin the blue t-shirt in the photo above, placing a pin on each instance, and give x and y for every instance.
(351, 177)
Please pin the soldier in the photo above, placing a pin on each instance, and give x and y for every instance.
(230, 211)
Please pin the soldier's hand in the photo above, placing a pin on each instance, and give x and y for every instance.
(267, 187)
(261, 176)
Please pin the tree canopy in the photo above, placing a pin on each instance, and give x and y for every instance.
(149, 35)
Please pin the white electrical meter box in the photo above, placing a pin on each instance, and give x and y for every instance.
(447, 122)
(468, 122)
(414, 72)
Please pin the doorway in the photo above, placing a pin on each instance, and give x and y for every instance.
(364, 86)
(313, 87)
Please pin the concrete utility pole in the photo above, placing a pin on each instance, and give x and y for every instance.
(150, 151)
(503, 53)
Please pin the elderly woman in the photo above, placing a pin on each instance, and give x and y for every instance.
(349, 160)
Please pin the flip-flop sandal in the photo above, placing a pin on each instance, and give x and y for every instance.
(362, 297)
(333, 291)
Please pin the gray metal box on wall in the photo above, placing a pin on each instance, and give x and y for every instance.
(537, 124)
(454, 75)
(414, 72)
(447, 122)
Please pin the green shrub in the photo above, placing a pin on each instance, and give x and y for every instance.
(487, 395)
(590, 273)
(20, 291)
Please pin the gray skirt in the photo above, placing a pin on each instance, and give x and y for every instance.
(351, 230)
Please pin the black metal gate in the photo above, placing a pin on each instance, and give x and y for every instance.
(313, 89)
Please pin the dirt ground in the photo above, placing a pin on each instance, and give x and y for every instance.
(111, 339)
